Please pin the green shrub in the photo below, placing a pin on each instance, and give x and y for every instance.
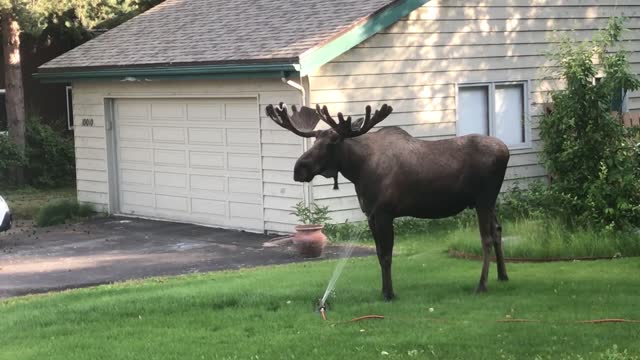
(9, 157)
(50, 156)
(593, 160)
(313, 214)
(59, 211)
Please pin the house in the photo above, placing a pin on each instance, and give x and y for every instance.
(169, 107)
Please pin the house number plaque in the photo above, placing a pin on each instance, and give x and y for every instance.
(87, 122)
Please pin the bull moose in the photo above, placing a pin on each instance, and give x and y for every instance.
(397, 175)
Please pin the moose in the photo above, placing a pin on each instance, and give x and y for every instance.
(397, 175)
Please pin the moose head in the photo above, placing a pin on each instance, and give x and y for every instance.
(322, 158)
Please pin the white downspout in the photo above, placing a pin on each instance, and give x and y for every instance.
(299, 87)
(307, 189)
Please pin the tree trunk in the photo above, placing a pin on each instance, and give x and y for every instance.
(14, 91)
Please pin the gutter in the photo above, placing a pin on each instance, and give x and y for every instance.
(225, 71)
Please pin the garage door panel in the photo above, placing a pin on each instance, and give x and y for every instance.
(168, 135)
(208, 183)
(192, 160)
(171, 180)
(245, 186)
(207, 160)
(243, 137)
(132, 111)
(134, 133)
(136, 155)
(209, 207)
(168, 111)
(242, 210)
(240, 112)
(136, 177)
(245, 198)
(204, 112)
(206, 136)
(243, 162)
(172, 203)
(170, 158)
(138, 199)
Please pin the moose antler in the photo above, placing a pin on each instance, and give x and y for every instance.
(347, 128)
(306, 119)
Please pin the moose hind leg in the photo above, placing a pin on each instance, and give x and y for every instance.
(485, 223)
(497, 247)
(382, 231)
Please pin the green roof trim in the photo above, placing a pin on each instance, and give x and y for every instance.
(239, 71)
(317, 57)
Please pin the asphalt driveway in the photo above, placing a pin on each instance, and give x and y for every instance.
(116, 249)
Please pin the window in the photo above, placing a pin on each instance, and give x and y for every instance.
(496, 109)
(69, 108)
(619, 98)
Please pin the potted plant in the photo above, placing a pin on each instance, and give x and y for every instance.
(309, 239)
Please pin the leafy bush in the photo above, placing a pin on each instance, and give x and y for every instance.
(50, 156)
(58, 212)
(593, 161)
(313, 214)
(9, 157)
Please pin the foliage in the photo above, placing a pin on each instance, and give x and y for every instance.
(593, 162)
(50, 156)
(549, 238)
(10, 157)
(34, 16)
(269, 313)
(311, 215)
(58, 212)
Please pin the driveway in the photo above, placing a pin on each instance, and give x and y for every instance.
(116, 249)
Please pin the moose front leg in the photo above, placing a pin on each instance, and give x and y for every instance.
(382, 230)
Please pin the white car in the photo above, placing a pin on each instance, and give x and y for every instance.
(5, 216)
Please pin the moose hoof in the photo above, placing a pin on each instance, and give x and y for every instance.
(388, 296)
(503, 277)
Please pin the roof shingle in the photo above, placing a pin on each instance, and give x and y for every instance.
(219, 31)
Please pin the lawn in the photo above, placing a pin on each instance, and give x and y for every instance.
(268, 313)
(25, 203)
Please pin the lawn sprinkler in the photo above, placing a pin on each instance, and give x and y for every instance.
(322, 308)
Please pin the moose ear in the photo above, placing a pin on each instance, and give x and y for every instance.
(306, 119)
(357, 125)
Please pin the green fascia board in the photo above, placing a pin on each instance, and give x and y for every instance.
(171, 73)
(317, 57)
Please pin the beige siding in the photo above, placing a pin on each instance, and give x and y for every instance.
(279, 147)
(416, 63)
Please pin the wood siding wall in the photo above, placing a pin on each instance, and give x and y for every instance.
(279, 147)
(416, 63)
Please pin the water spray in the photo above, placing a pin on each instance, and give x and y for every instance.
(348, 250)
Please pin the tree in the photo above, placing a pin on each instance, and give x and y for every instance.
(14, 89)
(32, 17)
(594, 160)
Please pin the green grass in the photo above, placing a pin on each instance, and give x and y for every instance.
(268, 313)
(25, 203)
(548, 239)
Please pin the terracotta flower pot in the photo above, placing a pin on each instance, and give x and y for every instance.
(309, 240)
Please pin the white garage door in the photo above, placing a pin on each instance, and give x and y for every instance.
(195, 160)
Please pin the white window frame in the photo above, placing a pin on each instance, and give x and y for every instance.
(491, 85)
(66, 97)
